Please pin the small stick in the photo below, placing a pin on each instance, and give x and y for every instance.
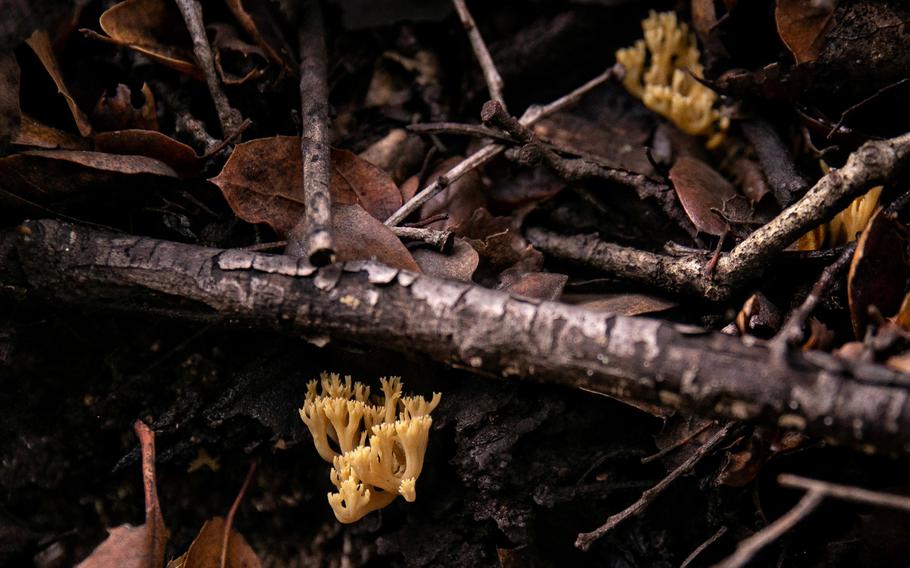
(440, 240)
(458, 128)
(585, 540)
(487, 153)
(792, 331)
(229, 117)
(701, 547)
(490, 73)
(747, 549)
(157, 532)
(676, 445)
(312, 236)
(846, 492)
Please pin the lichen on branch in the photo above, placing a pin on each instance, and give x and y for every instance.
(376, 448)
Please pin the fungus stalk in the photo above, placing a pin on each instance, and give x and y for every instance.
(376, 448)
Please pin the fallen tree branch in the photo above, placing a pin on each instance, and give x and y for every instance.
(874, 163)
(465, 325)
(312, 235)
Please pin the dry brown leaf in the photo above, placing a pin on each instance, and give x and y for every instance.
(152, 144)
(206, 550)
(116, 112)
(460, 264)
(153, 28)
(52, 176)
(878, 271)
(624, 304)
(136, 547)
(360, 236)
(262, 183)
(539, 285)
(399, 153)
(702, 191)
(41, 44)
(354, 180)
(802, 26)
(255, 18)
(10, 113)
(37, 134)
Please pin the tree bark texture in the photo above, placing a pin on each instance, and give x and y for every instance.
(461, 324)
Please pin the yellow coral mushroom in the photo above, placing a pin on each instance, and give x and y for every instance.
(667, 86)
(369, 472)
(846, 226)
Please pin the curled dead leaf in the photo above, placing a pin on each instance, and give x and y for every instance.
(803, 25)
(705, 195)
(878, 270)
(152, 144)
(235, 60)
(56, 176)
(116, 112)
(40, 43)
(153, 28)
(256, 19)
(37, 134)
(624, 304)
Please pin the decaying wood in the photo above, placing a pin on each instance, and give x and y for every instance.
(872, 164)
(465, 325)
(312, 236)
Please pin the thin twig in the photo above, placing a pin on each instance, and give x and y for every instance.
(701, 547)
(459, 128)
(846, 492)
(229, 117)
(485, 154)
(676, 445)
(312, 236)
(534, 151)
(585, 540)
(490, 73)
(792, 331)
(747, 549)
(232, 512)
(440, 240)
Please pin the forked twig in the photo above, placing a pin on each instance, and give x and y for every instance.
(585, 540)
(487, 153)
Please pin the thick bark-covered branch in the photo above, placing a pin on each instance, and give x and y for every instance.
(465, 325)
(874, 163)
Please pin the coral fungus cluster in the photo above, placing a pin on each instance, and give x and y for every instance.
(376, 448)
(661, 70)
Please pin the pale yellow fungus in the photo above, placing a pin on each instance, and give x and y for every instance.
(661, 69)
(846, 226)
(376, 450)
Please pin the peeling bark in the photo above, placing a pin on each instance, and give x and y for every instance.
(465, 325)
